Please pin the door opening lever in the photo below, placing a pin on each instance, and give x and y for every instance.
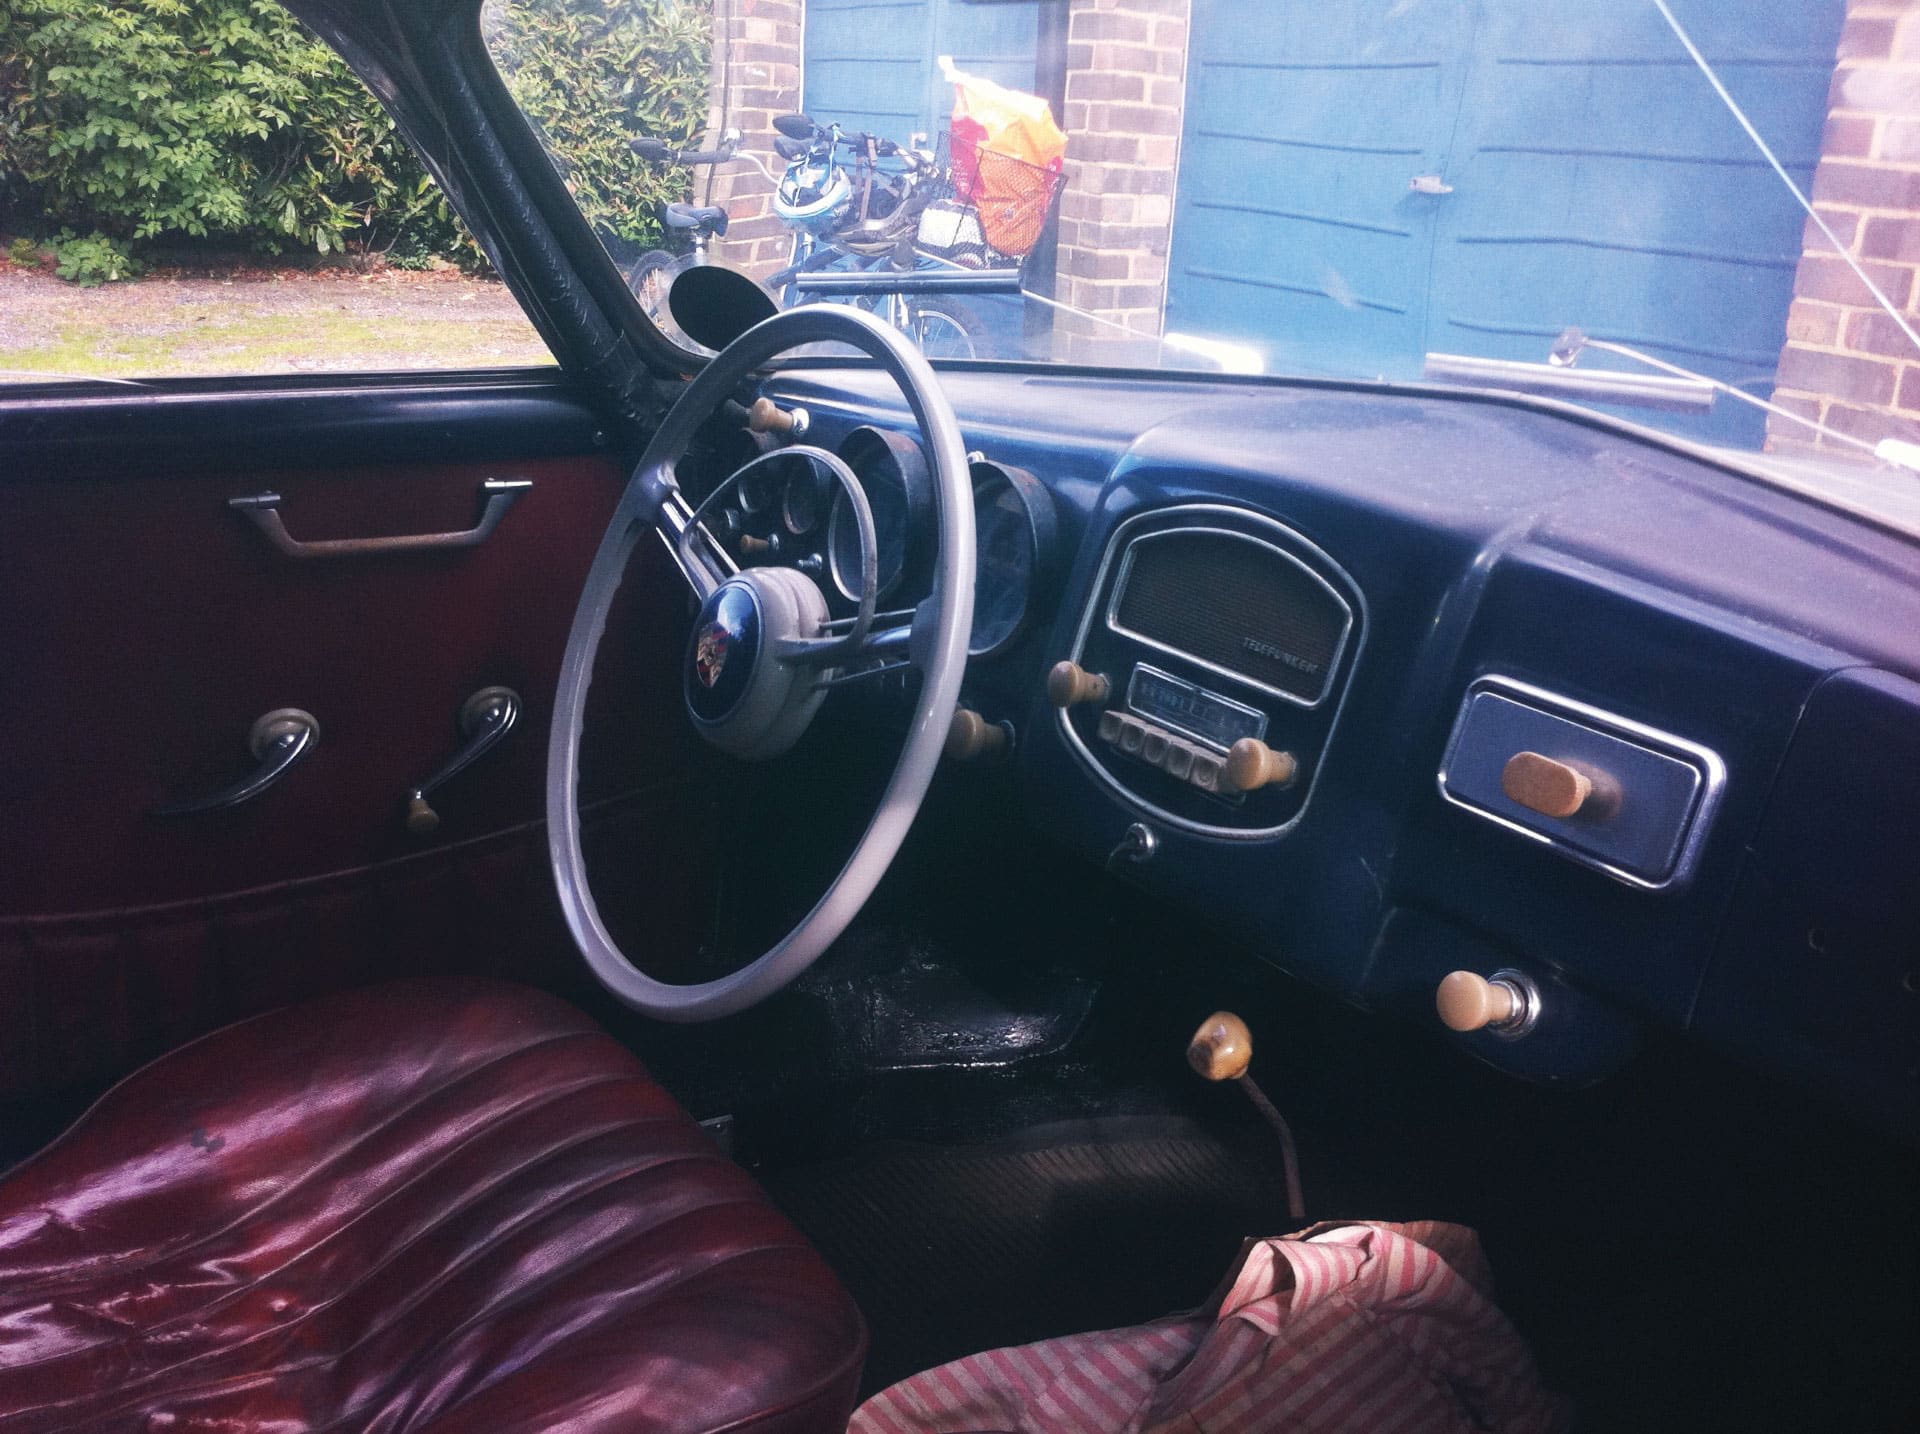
(277, 741)
(485, 719)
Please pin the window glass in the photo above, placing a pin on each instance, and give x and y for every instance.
(205, 188)
(1695, 214)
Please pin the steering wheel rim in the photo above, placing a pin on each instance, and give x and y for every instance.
(938, 647)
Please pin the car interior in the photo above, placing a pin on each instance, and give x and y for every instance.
(676, 893)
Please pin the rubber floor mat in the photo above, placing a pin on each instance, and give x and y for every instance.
(1078, 1226)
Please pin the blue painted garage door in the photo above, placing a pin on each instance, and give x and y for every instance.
(1596, 180)
(871, 64)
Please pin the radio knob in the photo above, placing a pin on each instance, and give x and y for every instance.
(1506, 1005)
(1069, 684)
(1252, 764)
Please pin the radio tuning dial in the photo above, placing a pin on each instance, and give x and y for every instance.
(1252, 764)
(1070, 684)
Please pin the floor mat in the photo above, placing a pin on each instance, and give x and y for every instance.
(1077, 1226)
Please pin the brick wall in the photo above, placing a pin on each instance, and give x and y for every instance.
(1126, 82)
(756, 75)
(1846, 362)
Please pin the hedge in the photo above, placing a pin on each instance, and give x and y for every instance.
(226, 122)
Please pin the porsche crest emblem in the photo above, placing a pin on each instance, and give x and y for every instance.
(710, 653)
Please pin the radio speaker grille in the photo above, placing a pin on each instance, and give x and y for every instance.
(1234, 603)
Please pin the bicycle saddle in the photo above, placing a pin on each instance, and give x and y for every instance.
(688, 216)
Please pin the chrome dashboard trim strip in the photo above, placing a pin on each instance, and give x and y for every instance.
(1706, 761)
(1116, 543)
(1126, 571)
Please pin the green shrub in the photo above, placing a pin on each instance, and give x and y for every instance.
(91, 261)
(592, 75)
(24, 251)
(227, 121)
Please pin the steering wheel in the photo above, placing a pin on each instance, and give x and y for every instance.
(762, 648)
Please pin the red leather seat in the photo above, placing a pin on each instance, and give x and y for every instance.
(429, 1206)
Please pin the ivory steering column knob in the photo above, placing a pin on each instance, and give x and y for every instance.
(1469, 1002)
(1252, 764)
(1222, 1048)
(1069, 684)
(1542, 784)
(972, 738)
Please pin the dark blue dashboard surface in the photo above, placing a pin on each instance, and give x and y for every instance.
(1502, 542)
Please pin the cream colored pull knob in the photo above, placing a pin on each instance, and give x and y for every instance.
(972, 738)
(1252, 764)
(1469, 1002)
(421, 818)
(1222, 1048)
(766, 416)
(1069, 684)
(1543, 785)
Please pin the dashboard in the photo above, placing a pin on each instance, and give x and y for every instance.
(1453, 706)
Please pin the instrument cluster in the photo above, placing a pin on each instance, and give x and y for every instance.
(795, 513)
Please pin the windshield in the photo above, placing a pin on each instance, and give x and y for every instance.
(1702, 215)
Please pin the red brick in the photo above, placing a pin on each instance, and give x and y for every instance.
(1848, 135)
(1866, 37)
(1845, 224)
(1891, 238)
(1862, 380)
(1873, 331)
(1871, 424)
(1900, 140)
(1869, 186)
(1909, 396)
(1815, 324)
(1142, 119)
(1828, 279)
(1108, 25)
(1096, 85)
(1880, 88)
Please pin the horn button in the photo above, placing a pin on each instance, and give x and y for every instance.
(742, 697)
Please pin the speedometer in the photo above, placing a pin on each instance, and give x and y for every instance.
(893, 474)
(1014, 523)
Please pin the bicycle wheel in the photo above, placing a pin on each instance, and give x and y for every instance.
(941, 331)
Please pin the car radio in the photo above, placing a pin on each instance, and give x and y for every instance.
(1208, 668)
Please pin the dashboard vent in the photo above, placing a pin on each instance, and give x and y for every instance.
(1235, 604)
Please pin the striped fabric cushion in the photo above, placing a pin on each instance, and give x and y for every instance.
(1369, 1328)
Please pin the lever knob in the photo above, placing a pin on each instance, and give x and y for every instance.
(421, 818)
(1252, 764)
(766, 416)
(1222, 1048)
(1069, 684)
(1541, 784)
(1469, 1002)
(972, 738)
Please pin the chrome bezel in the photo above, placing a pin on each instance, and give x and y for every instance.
(1127, 559)
(1704, 760)
(1352, 647)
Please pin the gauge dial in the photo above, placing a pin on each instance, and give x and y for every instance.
(809, 493)
(893, 475)
(1014, 526)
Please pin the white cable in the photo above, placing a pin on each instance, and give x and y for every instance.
(1753, 134)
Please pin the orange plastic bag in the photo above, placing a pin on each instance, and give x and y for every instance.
(1007, 154)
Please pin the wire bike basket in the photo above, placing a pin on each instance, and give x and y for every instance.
(993, 208)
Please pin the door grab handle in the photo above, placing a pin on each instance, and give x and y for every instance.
(485, 719)
(277, 741)
(263, 511)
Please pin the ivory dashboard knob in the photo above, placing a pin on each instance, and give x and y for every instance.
(972, 738)
(1469, 1002)
(1541, 784)
(421, 818)
(766, 416)
(1252, 764)
(1069, 684)
(1222, 1048)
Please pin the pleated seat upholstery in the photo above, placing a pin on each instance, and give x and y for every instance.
(448, 1205)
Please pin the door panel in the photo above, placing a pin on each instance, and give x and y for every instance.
(148, 625)
(875, 66)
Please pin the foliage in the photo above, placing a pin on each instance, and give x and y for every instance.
(226, 121)
(592, 75)
(91, 261)
(24, 252)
